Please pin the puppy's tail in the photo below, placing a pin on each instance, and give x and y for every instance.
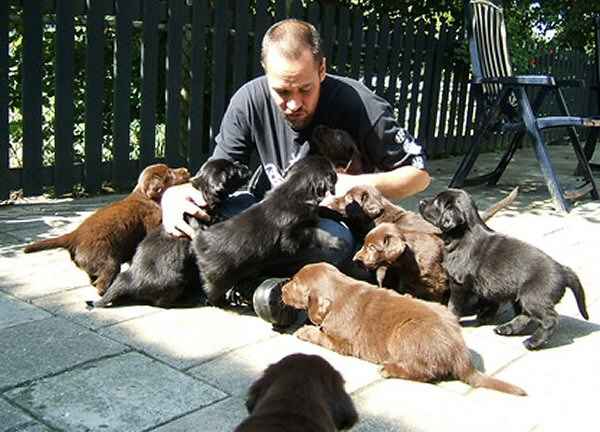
(575, 284)
(119, 289)
(504, 202)
(476, 379)
(62, 241)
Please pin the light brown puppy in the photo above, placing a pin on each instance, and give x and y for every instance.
(299, 393)
(412, 339)
(415, 257)
(108, 237)
(365, 207)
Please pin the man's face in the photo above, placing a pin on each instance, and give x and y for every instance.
(295, 85)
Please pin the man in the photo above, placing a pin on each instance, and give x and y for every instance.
(275, 115)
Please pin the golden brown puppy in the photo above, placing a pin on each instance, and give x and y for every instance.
(299, 393)
(412, 339)
(365, 207)
(109, 237)
(415, 257)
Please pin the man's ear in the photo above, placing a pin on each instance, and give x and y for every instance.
(322, 69)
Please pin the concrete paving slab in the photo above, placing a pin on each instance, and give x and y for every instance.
(398, 405)
(72, 305)
(186, 337)
(222, 416)
(14, 312)
(40, 348)
(127, 393)
(237, 370)
(14, 419)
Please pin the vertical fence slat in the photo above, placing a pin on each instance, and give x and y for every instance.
(260, 28)
(396, 58)
(369, 65)
(150, 67)
(94, 91)
(314, 15)
(240, 57)
(32, 98)
(429, 86)
(198, 145)
(328, 29)
(122, 87)
(4, 101)
(343, 35)
(297, 10)
(416, 81)
(382, 54)
(407, 58)
(173, 69)
(357, 41)
(219, 68)
(63, 126)
(280, 10)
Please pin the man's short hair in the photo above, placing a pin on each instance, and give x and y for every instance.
(291, 37)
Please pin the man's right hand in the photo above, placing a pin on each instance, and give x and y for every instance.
(177, 201)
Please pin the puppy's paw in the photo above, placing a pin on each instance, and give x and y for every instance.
(307, 333)
(504, 330)
(384, 372)
(533, 344)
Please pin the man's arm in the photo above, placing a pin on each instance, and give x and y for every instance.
(396, 184)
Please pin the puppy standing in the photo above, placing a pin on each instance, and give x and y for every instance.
(412, 339)
(499, 268)
(415, 256)
(164, 267)
(282, 223)
(299, 393)
(109, 237)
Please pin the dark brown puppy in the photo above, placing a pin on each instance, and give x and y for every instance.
(339, 147)
(109, 237)
(415, 257)
(163, 268)
(499, 268)
(299, 393)
(365, 207)
(283, 222)
(412, 339)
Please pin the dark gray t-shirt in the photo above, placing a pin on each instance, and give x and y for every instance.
(254, 122)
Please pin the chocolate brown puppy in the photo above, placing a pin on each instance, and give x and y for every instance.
(415, 257)
(339, 147)
(499, 268)
(110, 236)
(412, 339)
(299, 393)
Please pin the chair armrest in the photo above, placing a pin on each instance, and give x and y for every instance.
(531, 80)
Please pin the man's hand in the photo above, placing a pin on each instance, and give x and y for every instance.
(177, 201)
(345, 182)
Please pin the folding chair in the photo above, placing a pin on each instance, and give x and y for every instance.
(508, 109)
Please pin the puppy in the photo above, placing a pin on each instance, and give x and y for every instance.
(282, 223)
(299, 393)
(364, 207)
(416, 258)
(110, 236)
(164, 268)
(339, 147)
(499, 268)
(412, 339)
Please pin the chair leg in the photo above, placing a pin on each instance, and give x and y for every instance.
(541, 153)
(588, 151)
(506, 158)
(576, 144)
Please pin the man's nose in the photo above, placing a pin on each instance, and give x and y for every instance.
(293, 104)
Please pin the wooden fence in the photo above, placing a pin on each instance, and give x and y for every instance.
(184, 59)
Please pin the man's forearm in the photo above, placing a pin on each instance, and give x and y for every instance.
(396, 184)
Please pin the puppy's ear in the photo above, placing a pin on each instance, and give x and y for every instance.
(343, 411)
(394, 245)
(153, 188)
(257, 390)
(318, 308)
(371, 206)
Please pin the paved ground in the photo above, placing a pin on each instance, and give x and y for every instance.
(141, 368)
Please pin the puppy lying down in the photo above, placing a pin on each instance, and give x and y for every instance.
(163, 269)
(299, 393)
(412, 339)
(499, 268)
(109, 237)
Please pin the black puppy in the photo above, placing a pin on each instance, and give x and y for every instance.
(499, 268)
(281, 224)
(164, 267)
(300, 392)
(339, 147)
